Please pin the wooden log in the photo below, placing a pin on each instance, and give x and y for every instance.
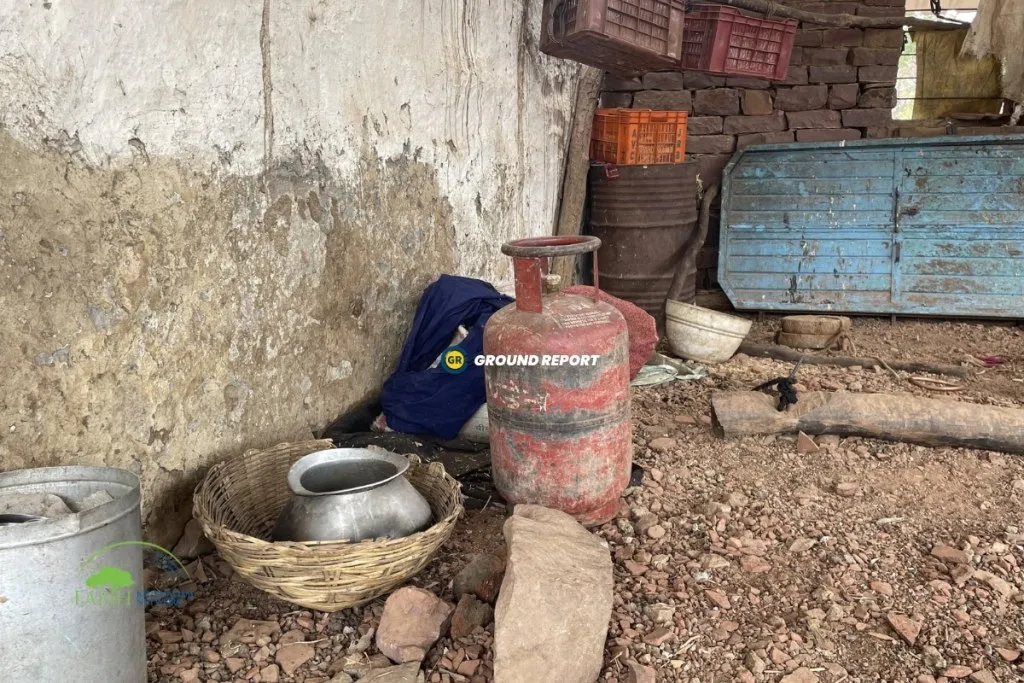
(577, 164)
(893, 417)
(793, 355)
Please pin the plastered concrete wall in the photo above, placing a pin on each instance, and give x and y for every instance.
(216, 218)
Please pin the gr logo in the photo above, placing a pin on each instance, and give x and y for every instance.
(453, 360)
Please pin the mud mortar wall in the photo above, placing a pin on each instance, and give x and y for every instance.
(216, 220)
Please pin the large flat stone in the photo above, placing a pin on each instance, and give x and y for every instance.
(763, 139)
(663, 80)
(755, 124)
(857, 118)
(671, 100)
(717, 102)
(802, 98)
(704, 125)
(813, 119)
(844, 96)
(552, 614)
(833, 74)
(710, 144)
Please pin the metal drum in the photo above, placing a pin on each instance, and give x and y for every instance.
(71, 600)
(644, 218)
(560, 433)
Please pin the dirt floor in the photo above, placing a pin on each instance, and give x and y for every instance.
(741, 560)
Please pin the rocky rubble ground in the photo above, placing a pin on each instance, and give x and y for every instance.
(760, 559)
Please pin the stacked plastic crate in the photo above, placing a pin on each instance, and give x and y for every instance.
(631, 37)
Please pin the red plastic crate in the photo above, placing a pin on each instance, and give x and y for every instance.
(625, 37)
(638, 136)
(722, 40)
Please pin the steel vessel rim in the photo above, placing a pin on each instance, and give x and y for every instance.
(330, 455)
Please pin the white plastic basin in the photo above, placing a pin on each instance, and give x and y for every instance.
(701, 334)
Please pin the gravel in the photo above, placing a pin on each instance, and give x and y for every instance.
(748, 560)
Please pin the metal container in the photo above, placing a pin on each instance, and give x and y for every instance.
(57, 623)
(560, 433)
(351, 494)
(644, 217)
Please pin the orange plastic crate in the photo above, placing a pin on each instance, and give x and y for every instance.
(638, 136)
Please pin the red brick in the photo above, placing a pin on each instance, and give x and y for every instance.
(663, 80)
(828, 56)
(883, 37)
(822, 118)
(764, 139)
(717, 101)
(757, 103)
(832, 74)
(844, 96)
(808, 38)
(704, 125)
(797, 75)
(673, 100)
(710, 167)
(843, 37)
(871, 56)
(877, 74)
(862, 118)
(710, 144)
(880, 11)
(802, 98)
(612, 100)
(748, 83)
(695, 80)
(827, 135)
(612, 83)
(755, 124)
(878, 98)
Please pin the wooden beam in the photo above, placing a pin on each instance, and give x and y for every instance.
(577, 165)
(838, 20)
(893, 417)
(785, 353)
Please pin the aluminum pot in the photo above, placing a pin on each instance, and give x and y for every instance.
(351, 494)
(54, 624)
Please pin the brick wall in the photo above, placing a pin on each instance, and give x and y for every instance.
(841, 85)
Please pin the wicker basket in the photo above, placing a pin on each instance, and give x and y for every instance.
(239, 500)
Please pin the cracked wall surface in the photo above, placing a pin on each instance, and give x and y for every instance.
(216, 220)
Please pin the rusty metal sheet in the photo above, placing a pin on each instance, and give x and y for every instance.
(903, 226)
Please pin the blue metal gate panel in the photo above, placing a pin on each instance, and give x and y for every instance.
(911, 226)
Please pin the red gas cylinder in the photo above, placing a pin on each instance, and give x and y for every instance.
(558, 391)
